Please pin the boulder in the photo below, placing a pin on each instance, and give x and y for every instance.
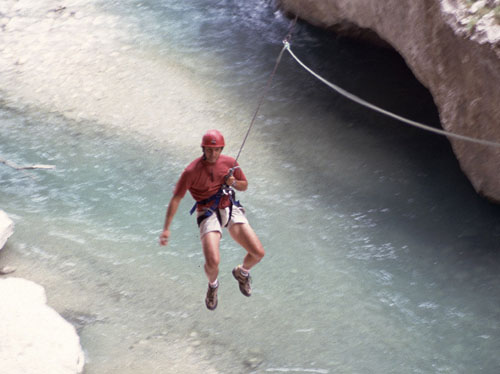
(34, 338)
(6, 228)
(453, 48)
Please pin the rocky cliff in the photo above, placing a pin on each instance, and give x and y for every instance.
(452, 47)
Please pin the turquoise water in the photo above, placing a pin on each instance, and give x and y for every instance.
(380, 256)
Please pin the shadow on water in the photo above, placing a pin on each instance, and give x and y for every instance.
(406, 181)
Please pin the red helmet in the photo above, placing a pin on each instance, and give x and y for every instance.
(213, 139)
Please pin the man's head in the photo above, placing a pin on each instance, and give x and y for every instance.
(212, 144)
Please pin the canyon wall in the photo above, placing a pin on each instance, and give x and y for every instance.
(452, 47)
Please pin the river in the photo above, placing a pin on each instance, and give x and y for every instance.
(380, 256)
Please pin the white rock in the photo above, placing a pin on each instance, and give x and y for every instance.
(34, 338)
(6, 228)
(7, 270)
(477, 5)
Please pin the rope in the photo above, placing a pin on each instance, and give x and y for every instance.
(267, 86)
(386, 112)
(261, 100)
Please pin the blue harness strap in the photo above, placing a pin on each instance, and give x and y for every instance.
(223, 191)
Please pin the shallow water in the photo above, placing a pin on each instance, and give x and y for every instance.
(380, 256)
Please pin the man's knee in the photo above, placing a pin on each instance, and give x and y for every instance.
(211, 263)
(210, 244)
(259, 252)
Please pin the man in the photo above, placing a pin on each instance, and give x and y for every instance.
(210, 179)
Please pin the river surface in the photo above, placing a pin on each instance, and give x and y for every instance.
(380, 256)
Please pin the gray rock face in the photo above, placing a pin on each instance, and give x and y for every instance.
(34, 338)
(453, 48)
(6, 228)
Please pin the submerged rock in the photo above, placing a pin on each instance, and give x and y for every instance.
(453, 48)
(7, 270)
(34, 338)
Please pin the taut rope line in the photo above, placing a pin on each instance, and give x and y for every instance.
(267, 86)
(261, 100)
(386, 112)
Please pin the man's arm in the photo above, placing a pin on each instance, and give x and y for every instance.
(240, 185)
(171, 210)
(237, 184)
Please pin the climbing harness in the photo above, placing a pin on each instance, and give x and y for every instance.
(365, 103)
(215, 199)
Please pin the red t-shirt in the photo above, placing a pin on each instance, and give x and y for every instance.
(203, 179)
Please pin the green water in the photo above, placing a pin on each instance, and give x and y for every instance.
(380, 256)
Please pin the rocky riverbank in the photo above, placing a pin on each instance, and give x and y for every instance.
(6, 228)
(34, 337)
(452, 47)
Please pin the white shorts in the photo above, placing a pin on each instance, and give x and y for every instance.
(212, 223)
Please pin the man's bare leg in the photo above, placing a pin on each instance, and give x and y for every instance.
(244, 235)
(210, 243)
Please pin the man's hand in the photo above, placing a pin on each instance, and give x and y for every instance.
(230, 180)
(164, 237)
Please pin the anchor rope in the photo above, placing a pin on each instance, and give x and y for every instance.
(267, 87)
(365, 103)
(261, 100)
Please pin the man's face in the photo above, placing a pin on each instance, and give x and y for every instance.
(212, 153)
